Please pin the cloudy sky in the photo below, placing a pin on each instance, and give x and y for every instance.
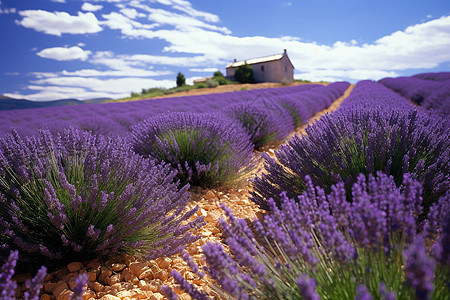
(53, 49)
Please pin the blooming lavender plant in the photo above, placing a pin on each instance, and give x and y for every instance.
(206, 149)
(419, 270)
(264, 122)
(8, 286)
(437, 229)
(313, 246)
(81, 195)
(363, 138)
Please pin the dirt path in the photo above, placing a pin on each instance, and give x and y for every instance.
(126, 278)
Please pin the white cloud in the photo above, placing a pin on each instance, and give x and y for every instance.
(88, 88)
(62, 53)
(4, 10)
(59, 1)
(56, 23)
(195, 41)
(203, 69)
(181, 22)
(132, 72)
(132, 13)
(333, 75)
(125, 24)
(423, 45)
(90, 7)
(186, 7)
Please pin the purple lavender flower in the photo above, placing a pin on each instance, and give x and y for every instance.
(362, 136)
(419, 269)
(441, 248)
(187, 287)
(7, 286)
(436, 76)
(123, 202)
(194, 267)
(362, 293)
(385, 294)
(307, 288)
(264, 123)
(35, 284)
(80, 286)
(206, 149)
(169, 293)
(429, 94)
(115, 119)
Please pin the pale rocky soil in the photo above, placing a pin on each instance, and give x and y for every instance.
(127, 278)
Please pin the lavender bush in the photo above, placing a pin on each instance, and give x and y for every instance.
(82, 196)
(303, 106)
(364, 139)
(8, 286)
(266, 122)
(206, 149)
(322, 246)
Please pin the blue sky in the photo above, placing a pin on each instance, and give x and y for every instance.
(54, 49)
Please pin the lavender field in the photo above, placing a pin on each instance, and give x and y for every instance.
(358, 207)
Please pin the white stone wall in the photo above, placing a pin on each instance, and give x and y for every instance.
(271, 71)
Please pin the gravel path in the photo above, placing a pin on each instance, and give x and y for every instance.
(126, 278)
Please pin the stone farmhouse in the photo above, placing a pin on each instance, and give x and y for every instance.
(273, 68)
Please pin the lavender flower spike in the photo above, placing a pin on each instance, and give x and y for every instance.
(170, 294)
(362, 293)
(8, 287)
(307, 288)
(80, 286)
(419, 269)
(35, 284)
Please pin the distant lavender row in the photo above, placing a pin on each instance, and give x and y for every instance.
(116, 118)
(369, 93)
(429, 94)
(441, 76)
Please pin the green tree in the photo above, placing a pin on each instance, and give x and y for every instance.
(218, 74)
(244, 74)
(180, 79)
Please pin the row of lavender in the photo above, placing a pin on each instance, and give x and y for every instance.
(431, 91)
(64, 196)
(359, 207)
(116, 118)
(357, 250)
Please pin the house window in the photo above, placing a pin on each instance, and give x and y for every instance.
(262, 68)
